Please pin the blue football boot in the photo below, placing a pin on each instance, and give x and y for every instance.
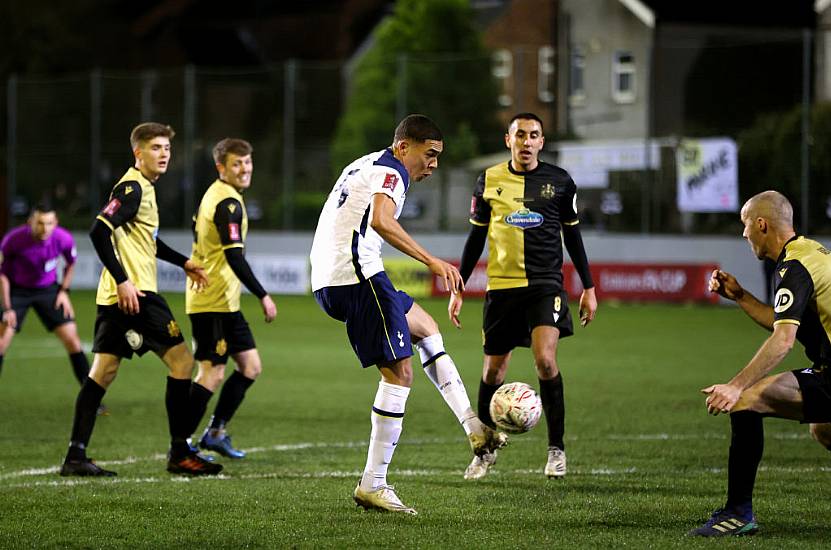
(219, 441)
(726, 523)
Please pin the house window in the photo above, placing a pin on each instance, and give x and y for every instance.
(545, 74)
(576, 84)
(623, 77)
(503, 70)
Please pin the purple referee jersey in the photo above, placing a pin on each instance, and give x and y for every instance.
(31, 263)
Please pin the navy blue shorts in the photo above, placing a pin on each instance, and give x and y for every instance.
(815, 387)
(375, 314)
(217, 335)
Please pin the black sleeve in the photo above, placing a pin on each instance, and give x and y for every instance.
(228, 221)
(100, 236)
(473, 250)
(480, 209)
(239, 265)
(124, 203)
(574, 244)
(164, 252)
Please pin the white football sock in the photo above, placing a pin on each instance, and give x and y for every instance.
(387, 419)
(441, 370)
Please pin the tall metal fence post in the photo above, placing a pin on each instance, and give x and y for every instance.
(95, 100)
(190, 141)
(805, 174)
(289, 88)
(11, 142)
(401, 97)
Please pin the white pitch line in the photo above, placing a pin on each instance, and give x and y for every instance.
(287, 447)
(354, 474)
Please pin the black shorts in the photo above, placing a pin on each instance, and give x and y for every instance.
(511, 314)
(42, 300)
(154, 328)
(815, 386)
(216, 335)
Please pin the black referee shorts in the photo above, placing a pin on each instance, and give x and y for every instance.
(154, 329)
(511, 314)
(216, 335)
(42, 300)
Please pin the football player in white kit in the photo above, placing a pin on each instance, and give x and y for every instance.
(382, 323)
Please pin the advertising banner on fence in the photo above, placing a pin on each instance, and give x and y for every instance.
(708, 175)
(278, 274)
(626, 282)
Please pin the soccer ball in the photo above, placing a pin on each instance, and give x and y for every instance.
(515, 408)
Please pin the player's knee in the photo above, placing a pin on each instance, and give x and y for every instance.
(822, 434)
(546, 368)
(252, 370)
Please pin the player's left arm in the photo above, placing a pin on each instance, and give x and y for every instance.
(194, 271)
(70, 254)
(573, 241)
(228, 221)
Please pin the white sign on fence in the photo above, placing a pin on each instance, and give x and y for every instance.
(708, 175)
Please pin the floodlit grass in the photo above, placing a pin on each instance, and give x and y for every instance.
(646, 463)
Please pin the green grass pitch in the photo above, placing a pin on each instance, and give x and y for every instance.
(646, 463)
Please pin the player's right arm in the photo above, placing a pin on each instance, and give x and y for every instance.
(384, 223)
(726, 286)
(9, 317)
(123, 206)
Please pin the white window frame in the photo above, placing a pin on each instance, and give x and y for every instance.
(502, 69)
(577, 64)
(545, 74)
(623, 64)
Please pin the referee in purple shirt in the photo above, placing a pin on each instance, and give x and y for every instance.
(28, 278)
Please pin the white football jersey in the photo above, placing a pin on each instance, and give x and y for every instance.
(346, 250)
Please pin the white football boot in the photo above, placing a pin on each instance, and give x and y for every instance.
(556, 465)
(383, 498)
(478, 467)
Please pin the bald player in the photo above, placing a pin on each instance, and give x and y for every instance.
(801, 311)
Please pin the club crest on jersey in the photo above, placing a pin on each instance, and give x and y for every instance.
(524, 218)
(390, 181)
(233, 231)
(111, 208)
(547, 191)
(173, 329)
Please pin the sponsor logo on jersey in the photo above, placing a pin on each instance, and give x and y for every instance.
(783, 271)
(783, 300)
(111, 208)
(524, 219)
(128, 189)
(233, 231)
(523, 200)
(499, 191)
(232, 208)
(547, 191)
(390, 181)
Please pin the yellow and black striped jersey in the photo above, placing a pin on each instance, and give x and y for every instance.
(803, 295)
(220, 223)
(524, 212)
(133, 216)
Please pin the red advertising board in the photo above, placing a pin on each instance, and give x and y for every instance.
(622, 281)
